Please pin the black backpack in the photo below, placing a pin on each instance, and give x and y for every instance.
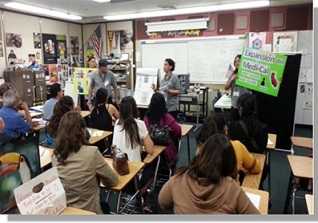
(160, 135)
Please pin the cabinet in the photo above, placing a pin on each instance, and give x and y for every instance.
(30, 84)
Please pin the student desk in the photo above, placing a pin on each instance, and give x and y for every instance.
(97, 135)
(302, 142)
(45, 156)
(134, 168)
(35, 114)
(76, 211)
(46, 153)
(224, 103)
(84, 114)
(254, 180)
(264, 197)
(271, 142)
(185, 129)
(310, 204)
(301, 167)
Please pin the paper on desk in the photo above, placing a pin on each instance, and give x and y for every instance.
(255, 199)
(43, 195)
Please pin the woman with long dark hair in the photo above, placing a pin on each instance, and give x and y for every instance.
(208, 185)
(103, 115)
(130, 133)
(249, 129)
(158, 117)
(80, 167)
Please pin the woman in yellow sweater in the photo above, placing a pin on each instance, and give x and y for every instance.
(246, 162)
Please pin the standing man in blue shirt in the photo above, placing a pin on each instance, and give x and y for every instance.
(15, 124)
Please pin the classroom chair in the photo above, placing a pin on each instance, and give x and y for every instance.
(28, 146)
(14, 171)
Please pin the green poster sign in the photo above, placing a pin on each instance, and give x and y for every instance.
(261, 71)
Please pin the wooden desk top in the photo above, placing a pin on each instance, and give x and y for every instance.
(271, 143)
(263, 207)
(301, 166)
(302, 142)
(45, 156)
(185, 129)
(254, 180)
(76, 211)
(35, 114)
(97, 135)
(310, 203)
(134, 169)
(157, 151)
(85, 113)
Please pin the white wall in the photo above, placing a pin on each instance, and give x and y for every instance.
(26, 25)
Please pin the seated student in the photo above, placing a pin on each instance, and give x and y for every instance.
(103, 115)
(251, 132)
(80, 167)
(3, 88)
(214, 124)
(57, 94)
(131, 134)
(246, 162)
(158, 117)
(207, 186)
(15, 124)
(64, 105)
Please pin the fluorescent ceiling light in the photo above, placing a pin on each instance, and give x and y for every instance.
(41, 11)
(101, 1)
(202, 9)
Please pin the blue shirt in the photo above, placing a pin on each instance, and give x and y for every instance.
(48, 108)
(15, 125)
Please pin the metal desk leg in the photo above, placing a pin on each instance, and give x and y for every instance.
(156, 174)
(118, 202)
(188, 145)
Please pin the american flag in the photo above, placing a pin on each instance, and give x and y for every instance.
(96, 40)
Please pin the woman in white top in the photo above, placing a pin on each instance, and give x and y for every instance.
(131, 134)
(131, 137)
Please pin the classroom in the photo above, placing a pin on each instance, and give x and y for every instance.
(156, 107)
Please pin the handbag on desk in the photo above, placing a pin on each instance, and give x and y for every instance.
(120, 161)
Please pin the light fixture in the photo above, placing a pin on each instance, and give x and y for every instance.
(102, 1)
(41, 11)
(192, 10)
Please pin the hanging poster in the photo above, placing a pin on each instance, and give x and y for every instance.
(37, 40)
(80, 80)
(13, 40)
(261, 71)
(49, 48)
(61, 48)
(285, 42)
(257, 40)
(74, 45)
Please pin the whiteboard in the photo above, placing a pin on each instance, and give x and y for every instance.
(206, 60)
(209, 59)
(154, 55)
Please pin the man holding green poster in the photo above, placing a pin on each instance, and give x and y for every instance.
(261, 71)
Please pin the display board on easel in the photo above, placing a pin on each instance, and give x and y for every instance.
(145, 79)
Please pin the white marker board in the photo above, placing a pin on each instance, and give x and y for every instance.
(206, 60)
